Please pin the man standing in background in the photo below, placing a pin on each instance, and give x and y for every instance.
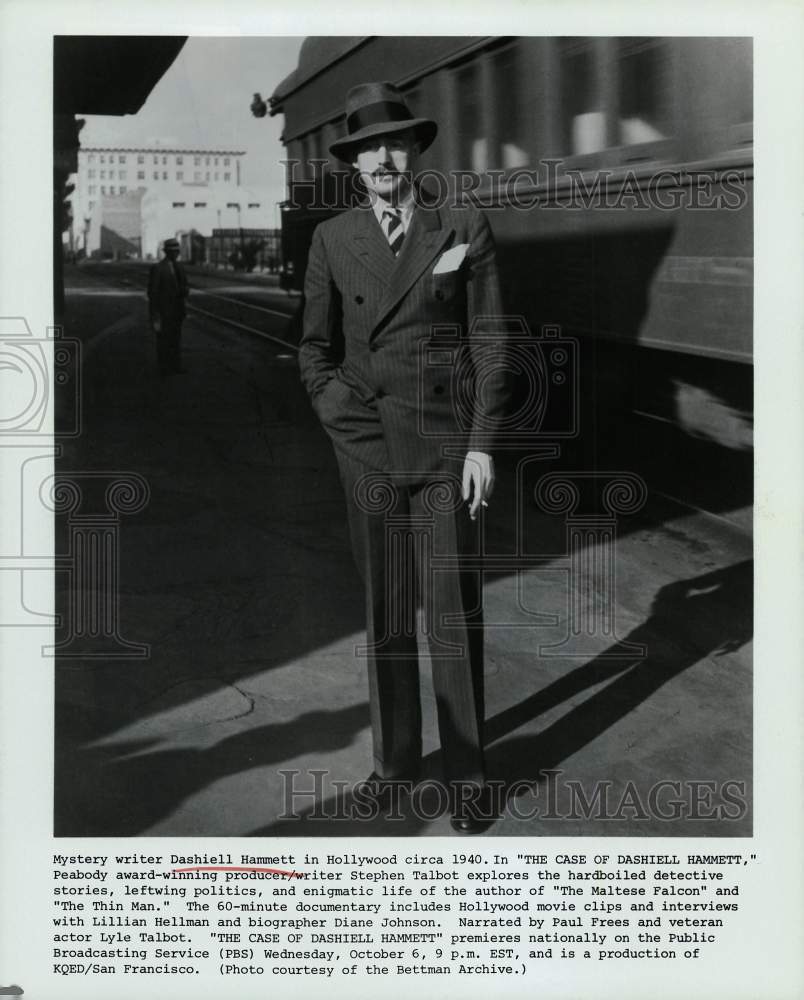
(167, 292)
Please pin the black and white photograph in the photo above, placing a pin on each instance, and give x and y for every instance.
(401, 500)
(413, 483)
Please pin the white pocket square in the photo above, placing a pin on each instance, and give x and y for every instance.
(451, 259)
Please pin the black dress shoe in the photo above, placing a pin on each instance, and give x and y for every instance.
(474, 813)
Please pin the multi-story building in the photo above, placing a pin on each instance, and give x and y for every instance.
(106, 171)
(181, 209)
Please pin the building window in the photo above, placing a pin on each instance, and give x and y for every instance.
(121, 175)
(91, 173)
(103, 175)
(91, 189)
(164, 161)
(226, 161)
(102, 158)
(232, 204)
(91, 157)
(140, 175)
(103, 189)
(164, 175)
(140, 159)
(227, 177)
(179, 204)
(197, 161)
(207, 177)
(111, 189)
(121, 159)
(123, 189)
(199, 204)
(207, 161)
(156, 175)
(179, 160)
(91, 205)
(253, 204)
(180, 175)
(197, 176)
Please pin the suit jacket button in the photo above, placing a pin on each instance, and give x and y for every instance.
(359, 299)
(438, 390)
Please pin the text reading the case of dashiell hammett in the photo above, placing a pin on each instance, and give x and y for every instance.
(394, 914)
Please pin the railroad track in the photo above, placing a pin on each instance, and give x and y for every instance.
(241, 309)
(230, 310)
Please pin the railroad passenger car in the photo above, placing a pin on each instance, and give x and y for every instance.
(617, 176)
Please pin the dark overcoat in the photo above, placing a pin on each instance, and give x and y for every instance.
(167, 292)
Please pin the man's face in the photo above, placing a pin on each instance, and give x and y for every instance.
(386, 162)
(172, 254)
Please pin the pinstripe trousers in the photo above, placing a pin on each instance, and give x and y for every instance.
(408, 542)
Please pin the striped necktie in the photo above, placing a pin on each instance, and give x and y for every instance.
(393, 229)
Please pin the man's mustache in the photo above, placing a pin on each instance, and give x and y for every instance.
(382, 172)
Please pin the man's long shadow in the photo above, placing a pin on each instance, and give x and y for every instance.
(128, 788)
(689, 620)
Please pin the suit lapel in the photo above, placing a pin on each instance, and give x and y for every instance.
(368, 244)
(425, 237)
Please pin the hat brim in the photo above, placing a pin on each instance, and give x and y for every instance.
(425, 129)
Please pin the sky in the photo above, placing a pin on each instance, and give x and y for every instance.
(203, 101)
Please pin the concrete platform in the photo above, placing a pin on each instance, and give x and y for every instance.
(239, 577)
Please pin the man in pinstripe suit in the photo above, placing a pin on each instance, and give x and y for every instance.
(384, 282)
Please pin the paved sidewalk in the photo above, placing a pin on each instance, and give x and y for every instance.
(239, 577)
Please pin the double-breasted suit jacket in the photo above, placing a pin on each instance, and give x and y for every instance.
(383, 388)
(391, 353)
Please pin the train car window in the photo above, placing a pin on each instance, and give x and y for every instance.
(645, 106)
(508, 83)
(312, 150)
(305, 155)
(473, 152)
(583, 118)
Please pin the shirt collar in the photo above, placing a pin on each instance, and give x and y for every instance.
(406, 206)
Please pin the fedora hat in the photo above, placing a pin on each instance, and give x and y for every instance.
(171, 244)
(378, 109)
